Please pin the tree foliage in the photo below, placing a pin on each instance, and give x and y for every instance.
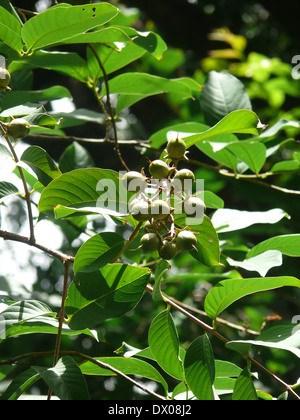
(217, 318)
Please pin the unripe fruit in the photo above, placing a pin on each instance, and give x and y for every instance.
(168, 250)
(176, 149)
(4, 78)
(160, 209)
(159, 169)
(141, 211)
(150, 242)
(134, 181)
(184, 174)
(18, 128)
(186, 240)
(153, 227)
(194, 207)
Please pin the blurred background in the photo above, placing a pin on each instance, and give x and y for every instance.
(255, 41)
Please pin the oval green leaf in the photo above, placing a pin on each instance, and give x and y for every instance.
(108, 293)
(98, 251)
(164, 344)
(229, 291)
(199, 368)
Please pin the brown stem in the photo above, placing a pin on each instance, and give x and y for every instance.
(132, 237)
(27, 195)
(61, 317)
(110, 109)
(8, 236)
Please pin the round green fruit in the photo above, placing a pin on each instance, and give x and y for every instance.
(159, 169)
(154, 227)
(176, 149)
(194, 207)
(184, 174)
(186, 241)
(4, 78)
(134, 181)
(150, 242)
(168, 250)
(160, 209)
(140, 211)
(18, 128)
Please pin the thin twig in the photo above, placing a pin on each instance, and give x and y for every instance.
(109, 106)
(43, 137)
(132, 237)
(8, 236)
(61, 317)
(24, 182)
(219, 320)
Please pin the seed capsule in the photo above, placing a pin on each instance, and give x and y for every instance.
(150, 242)
(186, 241)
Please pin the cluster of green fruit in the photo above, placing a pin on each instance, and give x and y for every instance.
(158, 214)
(18, 127)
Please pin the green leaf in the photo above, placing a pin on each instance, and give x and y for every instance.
(216, 150)
(148, 41)
(112, 59)
(252, 153)
(184, 130)
(289, 165)
(69, 64)
(208, 247)
(282, 124)
(164, 344)
(98, 251)
(261, 263)
(108, 293)
(127, 366)
(132, 87)
(83, 188)
(66, 380)
(244, 389)
(242, 121)
(21, 97)
(21, 110)
(76, 118)
(58, 24)
(287, 244)
(75, 157)
(7, 190)
(283, 337)
(22, 311)
(20, 384)
(199, 368)
(226, 369)
(44, 325)
(222, 93)
(161, 268)
(211, 200)
(10, 30)
(228, 220)
(229, 291)
(41, 163)
(107, 36)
